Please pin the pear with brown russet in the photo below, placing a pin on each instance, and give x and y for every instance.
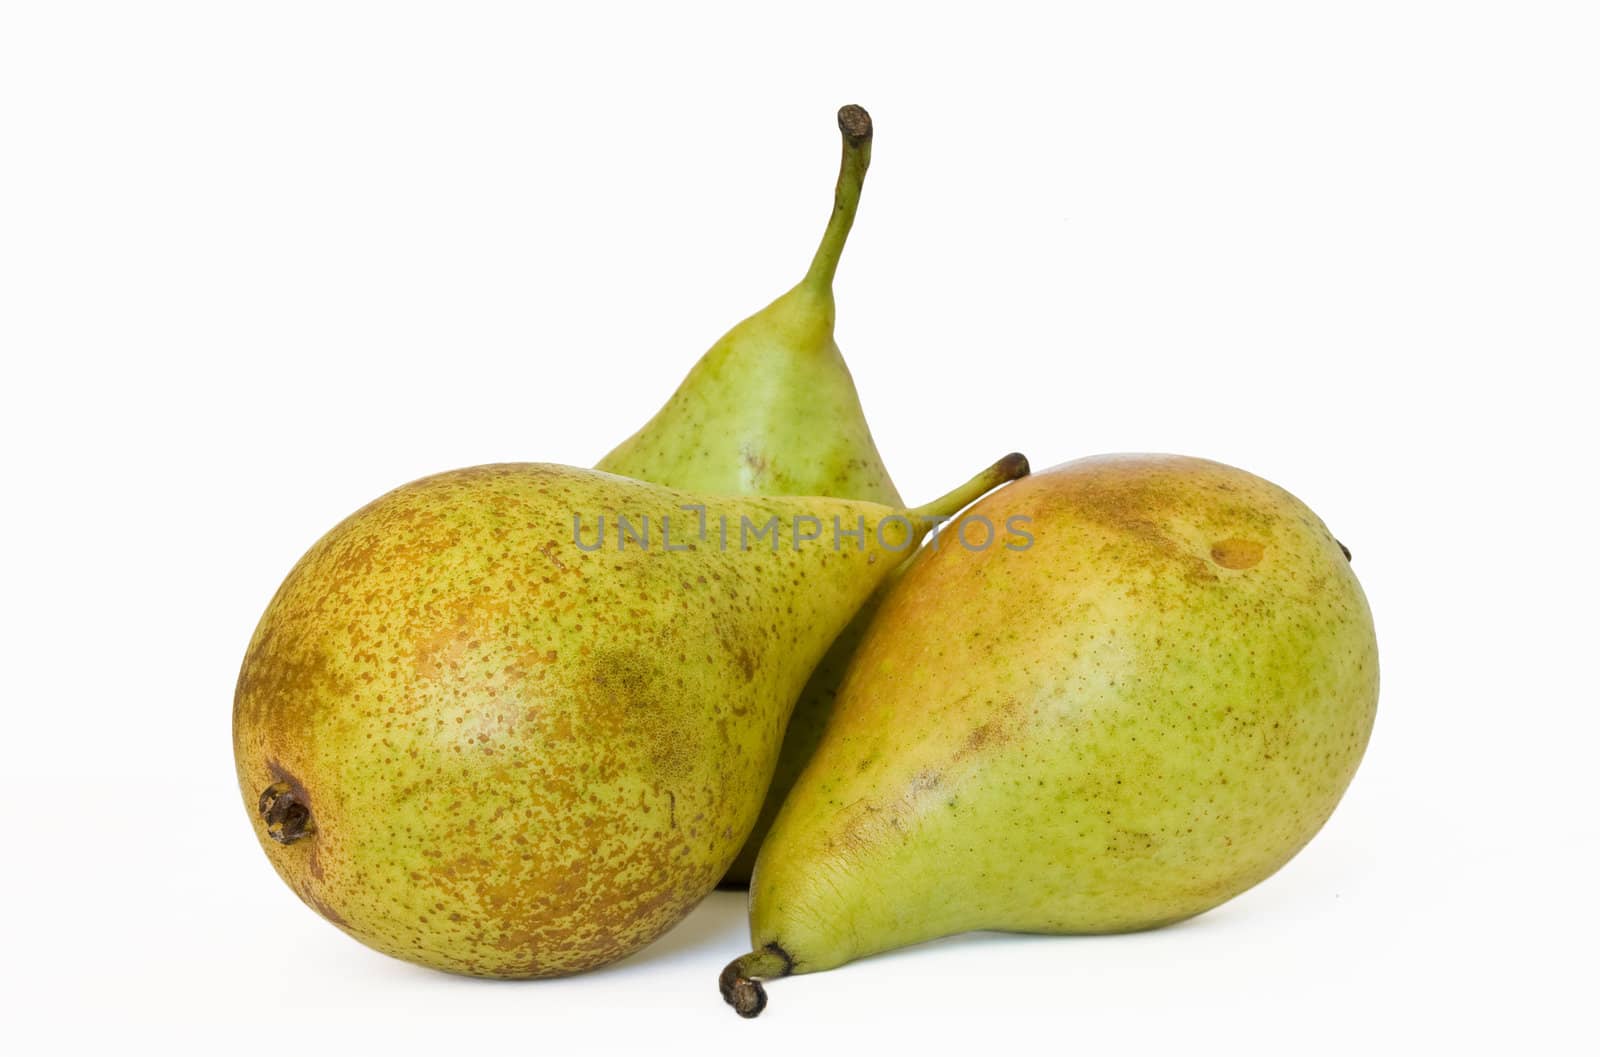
(516, 720)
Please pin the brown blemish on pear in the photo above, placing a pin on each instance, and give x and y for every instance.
(1237, 553)
(632, 700)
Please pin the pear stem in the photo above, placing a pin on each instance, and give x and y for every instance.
(951, 503)
(740, 982)
(855, 125)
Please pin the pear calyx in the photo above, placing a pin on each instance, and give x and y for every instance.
(287, 817)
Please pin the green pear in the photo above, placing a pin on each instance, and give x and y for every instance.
(515, 720)
(771, 409)
(1142, 699)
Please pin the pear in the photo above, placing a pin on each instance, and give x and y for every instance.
(1142, 702)
(514, 720)
(771, 409)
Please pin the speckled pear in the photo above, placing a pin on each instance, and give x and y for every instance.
(771, 409)
(1140, 714)
(514, 720)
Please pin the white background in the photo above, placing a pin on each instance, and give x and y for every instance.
(260, 263)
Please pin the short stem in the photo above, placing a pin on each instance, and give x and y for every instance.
(856, 128)
(948, 505)
(740, 982)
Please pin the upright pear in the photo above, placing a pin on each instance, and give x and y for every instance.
(771, 409)
(1137, 706)
(507, 720)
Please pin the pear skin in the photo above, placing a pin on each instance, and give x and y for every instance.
(1145, 711)
(771, 408)
(475, 734)
(806, 724)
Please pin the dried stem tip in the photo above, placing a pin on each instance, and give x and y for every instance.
(855, 123)
(740, 982)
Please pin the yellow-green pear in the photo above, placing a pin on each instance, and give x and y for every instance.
(771, 409)
(515, 720)
(1140, 699)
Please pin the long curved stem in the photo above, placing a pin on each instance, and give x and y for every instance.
(855, 125)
